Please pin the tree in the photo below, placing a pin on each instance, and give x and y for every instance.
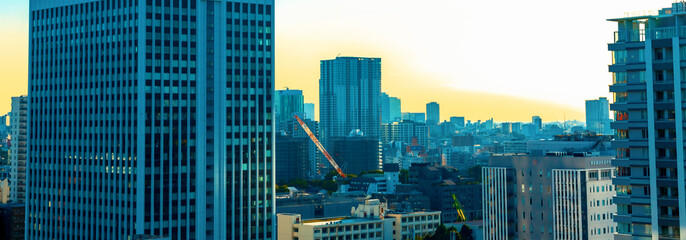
(330, 175)
(404, 176)
(466, 233)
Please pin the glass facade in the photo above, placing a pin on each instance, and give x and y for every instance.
(150, 117)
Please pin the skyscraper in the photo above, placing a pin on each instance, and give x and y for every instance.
(150, 117)
(385, 103)
(433, 113)
(647, 86)
(18, 133)
(349, 90)
(537, 122)
(598, 116)
(288, 103)
(309, 111)
(395, 114)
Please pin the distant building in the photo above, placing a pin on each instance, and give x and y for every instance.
(458, 122)
(395, 113)
(356, 152)
(515, 147)
(537, 122)
(17, 153)
(548, 197)
(385, 104)
(349, 90)
(411, 133)
(309, 111)
(598, 116)
(433, 113)
(415, 117)
(287, 104)
(369, 184)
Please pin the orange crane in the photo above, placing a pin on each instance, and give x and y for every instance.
(319, 145)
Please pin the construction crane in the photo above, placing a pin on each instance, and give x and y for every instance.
(319, 145)
(460, 214)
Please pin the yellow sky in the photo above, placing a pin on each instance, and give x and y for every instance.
(480, 59)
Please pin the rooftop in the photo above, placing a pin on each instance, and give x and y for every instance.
(336, 220)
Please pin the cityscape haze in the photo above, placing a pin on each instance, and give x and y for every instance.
(330, 120)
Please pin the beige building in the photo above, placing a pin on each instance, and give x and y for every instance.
(416, 223)
(4, 190)
(367, 221)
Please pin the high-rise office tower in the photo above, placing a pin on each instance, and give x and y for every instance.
(390, 109)
(309, 111)
(537, 123)
(349, 90)
(598, 116)
(288, 103)
(433, 113)
(648, 77)
(395, 114)
(150, 118)
(17, 155)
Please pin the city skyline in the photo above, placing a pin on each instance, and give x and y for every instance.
(454, 75)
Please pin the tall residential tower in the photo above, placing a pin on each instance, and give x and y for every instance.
(151, 117)
(349, 90)
(648, 75)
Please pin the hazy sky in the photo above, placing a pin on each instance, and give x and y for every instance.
(480, 59)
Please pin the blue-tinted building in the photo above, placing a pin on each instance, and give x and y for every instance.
(150, 117)
(349, 90)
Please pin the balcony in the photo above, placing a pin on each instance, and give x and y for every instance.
(656, 33)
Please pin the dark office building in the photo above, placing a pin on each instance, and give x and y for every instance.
(12, 221)
(356, 153)
(292, 158)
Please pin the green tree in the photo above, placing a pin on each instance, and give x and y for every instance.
(330, 175)
(466, 232)
(404, 176)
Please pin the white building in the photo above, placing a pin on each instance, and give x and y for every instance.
(367, 221)
(416, 223)
(548, 197)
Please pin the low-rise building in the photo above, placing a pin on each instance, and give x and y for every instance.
(412, 224)
(368, 221)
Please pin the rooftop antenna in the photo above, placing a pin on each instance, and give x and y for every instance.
(339, 54)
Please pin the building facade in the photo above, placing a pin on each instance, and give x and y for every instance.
(151, 118)
(17, 154)
(349, 90)
(548, 197)
(648, 81)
